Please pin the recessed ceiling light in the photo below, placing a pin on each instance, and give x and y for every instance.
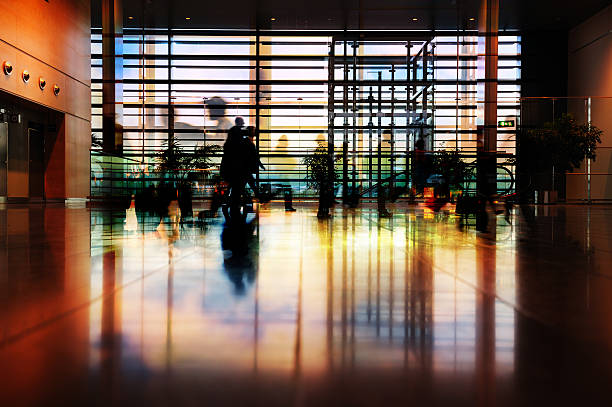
(187, 18)
(415, 19)
(472, 19)
(130, 18)
(272, 18)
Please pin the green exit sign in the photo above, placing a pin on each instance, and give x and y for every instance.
(505, 123)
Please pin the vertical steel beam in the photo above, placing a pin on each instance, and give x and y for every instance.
(112, 76)
(408, 116)
(370, 136)
(355, 151)
(257, 98)
(380, 193)
(487, 95)
(380, 130)
(346, 123)
(328, 195)
(391, 135)
(424, 95)
(432, 126)
(170, 107)
(487, 71)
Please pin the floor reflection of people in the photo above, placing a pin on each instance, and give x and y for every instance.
(240, 245)
(169, 226)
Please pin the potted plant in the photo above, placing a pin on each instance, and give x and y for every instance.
(452, 171)
(557, 147)
(180, 168)
(321, 176)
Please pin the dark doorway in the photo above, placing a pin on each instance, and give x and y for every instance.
(36, 143)
(3, 158)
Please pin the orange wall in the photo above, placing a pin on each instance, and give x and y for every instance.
(52, 40)
(590, 74)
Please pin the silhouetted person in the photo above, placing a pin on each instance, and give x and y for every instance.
(236, 166)
(254, 161)
(239, 122)
(420, 165)
(236, 132)
(251, 135)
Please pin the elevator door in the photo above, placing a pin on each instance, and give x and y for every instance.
(36, 171)
(3, 158)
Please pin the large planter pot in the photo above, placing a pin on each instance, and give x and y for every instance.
(548, 188)
(546, 197)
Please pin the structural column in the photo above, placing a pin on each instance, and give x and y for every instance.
(488, 26)
(112, 76)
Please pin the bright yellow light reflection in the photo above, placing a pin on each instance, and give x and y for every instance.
(397, 288)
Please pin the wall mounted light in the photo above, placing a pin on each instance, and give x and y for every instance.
(56, 90)
(7, 67)
(25, 75)
(42, 83)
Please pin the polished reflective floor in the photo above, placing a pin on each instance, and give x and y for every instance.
(102, 307)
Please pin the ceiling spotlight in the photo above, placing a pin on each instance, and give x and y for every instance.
(56, 90)
(42, 83)
(415, 19)
(472, 19)
(187, 18)
(7, 67)
(25, 75)
(272, 18)
(130, 18)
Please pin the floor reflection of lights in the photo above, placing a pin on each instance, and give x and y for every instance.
(351, 310)
(351, 293)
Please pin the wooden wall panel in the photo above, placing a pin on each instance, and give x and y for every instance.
(53, 32)
(77, 149)
(52, 40)
(590, 74)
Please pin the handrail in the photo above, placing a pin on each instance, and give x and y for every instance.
(563, 97)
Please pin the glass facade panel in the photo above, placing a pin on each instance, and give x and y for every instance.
(281, 83)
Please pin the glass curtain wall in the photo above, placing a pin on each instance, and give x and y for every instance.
(190, 85)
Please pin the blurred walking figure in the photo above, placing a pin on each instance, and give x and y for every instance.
(255, 163)
(235, 168)
(236, 132)
(420, 169)
(238, 164)
(217, 108)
